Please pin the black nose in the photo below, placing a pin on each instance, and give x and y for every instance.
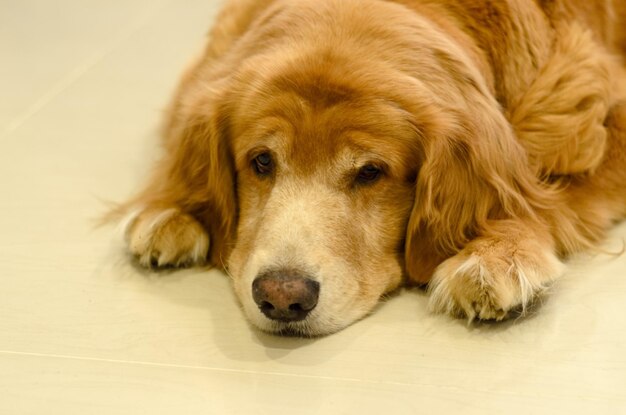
(285, 296)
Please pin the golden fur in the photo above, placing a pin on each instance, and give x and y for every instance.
(498, 126)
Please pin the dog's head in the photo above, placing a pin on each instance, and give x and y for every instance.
(334, 174)
(325, 174)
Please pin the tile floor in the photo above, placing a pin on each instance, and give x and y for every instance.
(83, 332)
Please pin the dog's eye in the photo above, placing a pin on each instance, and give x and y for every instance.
(368, 174)
(263, 164)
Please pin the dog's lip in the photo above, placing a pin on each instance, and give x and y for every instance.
(287, 330)
(290, 332)
(301, 328)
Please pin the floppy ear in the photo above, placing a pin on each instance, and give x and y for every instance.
(196, 174)
(473, 170)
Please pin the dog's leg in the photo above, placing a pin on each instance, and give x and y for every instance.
(165, 236)
(514, 261)
(503, 270)
(190, 199)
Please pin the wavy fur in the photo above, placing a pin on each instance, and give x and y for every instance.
(498, 127)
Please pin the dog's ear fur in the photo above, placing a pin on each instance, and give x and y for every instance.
(196, 173)
(202, 159)
(575, 89)
(473, 171)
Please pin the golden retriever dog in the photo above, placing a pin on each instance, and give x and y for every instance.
(325, 152)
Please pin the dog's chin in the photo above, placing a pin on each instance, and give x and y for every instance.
(308, 327)
(312, 326)
(300, 329)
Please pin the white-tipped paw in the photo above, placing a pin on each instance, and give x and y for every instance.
(488, 282)
(166, 237)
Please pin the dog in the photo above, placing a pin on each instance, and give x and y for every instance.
(326, 152)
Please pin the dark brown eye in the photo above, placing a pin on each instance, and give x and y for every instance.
(263, 164)
(368, 174)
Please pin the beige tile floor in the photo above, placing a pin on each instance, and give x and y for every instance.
(83, 332)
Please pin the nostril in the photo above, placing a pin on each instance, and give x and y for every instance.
(296, 307)
(266, 306)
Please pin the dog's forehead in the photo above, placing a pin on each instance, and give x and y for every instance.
(344, 135)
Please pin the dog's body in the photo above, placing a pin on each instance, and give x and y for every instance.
(325, 151)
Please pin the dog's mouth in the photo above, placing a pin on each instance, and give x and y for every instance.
(287, 305)
(297, 301)
(300, 329)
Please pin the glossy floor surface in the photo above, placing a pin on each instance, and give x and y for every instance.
(82, 331)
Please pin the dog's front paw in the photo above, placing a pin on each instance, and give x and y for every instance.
(490, 278)
(166, 237)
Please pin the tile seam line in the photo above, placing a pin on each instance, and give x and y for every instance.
(253, 372)
(81, 69)
(270, 373)
(266, 373)
(192, 367)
